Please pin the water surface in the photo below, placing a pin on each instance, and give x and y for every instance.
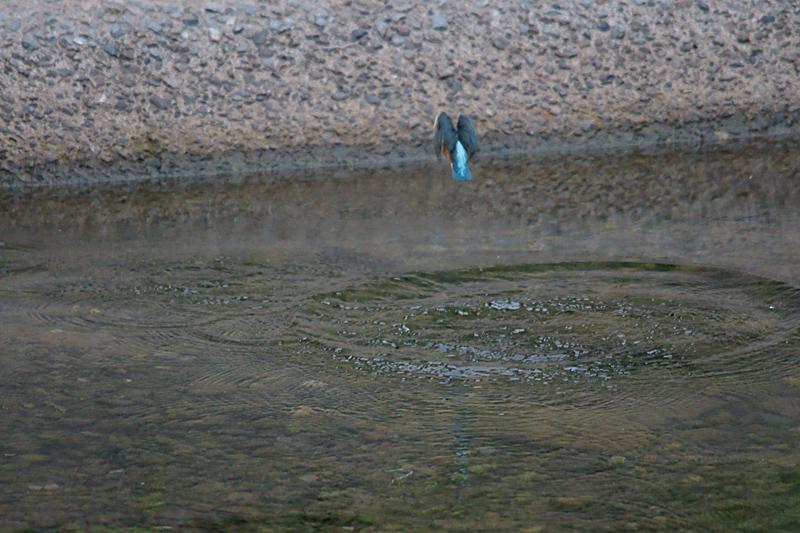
(582, 345)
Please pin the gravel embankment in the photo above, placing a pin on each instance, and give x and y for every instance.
(95, 90)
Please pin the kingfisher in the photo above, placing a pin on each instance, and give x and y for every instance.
(457, 144)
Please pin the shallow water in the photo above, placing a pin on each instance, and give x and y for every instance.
(582, 345)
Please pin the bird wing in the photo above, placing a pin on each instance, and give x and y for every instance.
(467, 135)
(444, 136)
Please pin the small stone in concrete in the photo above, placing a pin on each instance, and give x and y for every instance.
(214, 34)
(394, 103)
(693, 116)
(605, 79)
(552, 30)
(116, 31)
(288, 22)
(500, 42)
(29, 42)
(446, 71)
(358, 33)
(438, 22)
(15, 24)
(702, 5)
(159, 101)
(339, 96)
(372, 99)
(617, 32)
(566, 53)
(260, 37)
(212, 7)
(154, 51)
(110, 47)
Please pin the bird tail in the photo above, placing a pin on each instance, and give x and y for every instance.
(461, 172)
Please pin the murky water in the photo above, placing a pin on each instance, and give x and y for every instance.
(583, 345)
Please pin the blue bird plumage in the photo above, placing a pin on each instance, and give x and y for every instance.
(456, 144)
(459, 163)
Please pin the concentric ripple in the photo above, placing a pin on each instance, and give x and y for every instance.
(590, 323)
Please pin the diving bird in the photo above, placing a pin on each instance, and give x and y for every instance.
(457, 144)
